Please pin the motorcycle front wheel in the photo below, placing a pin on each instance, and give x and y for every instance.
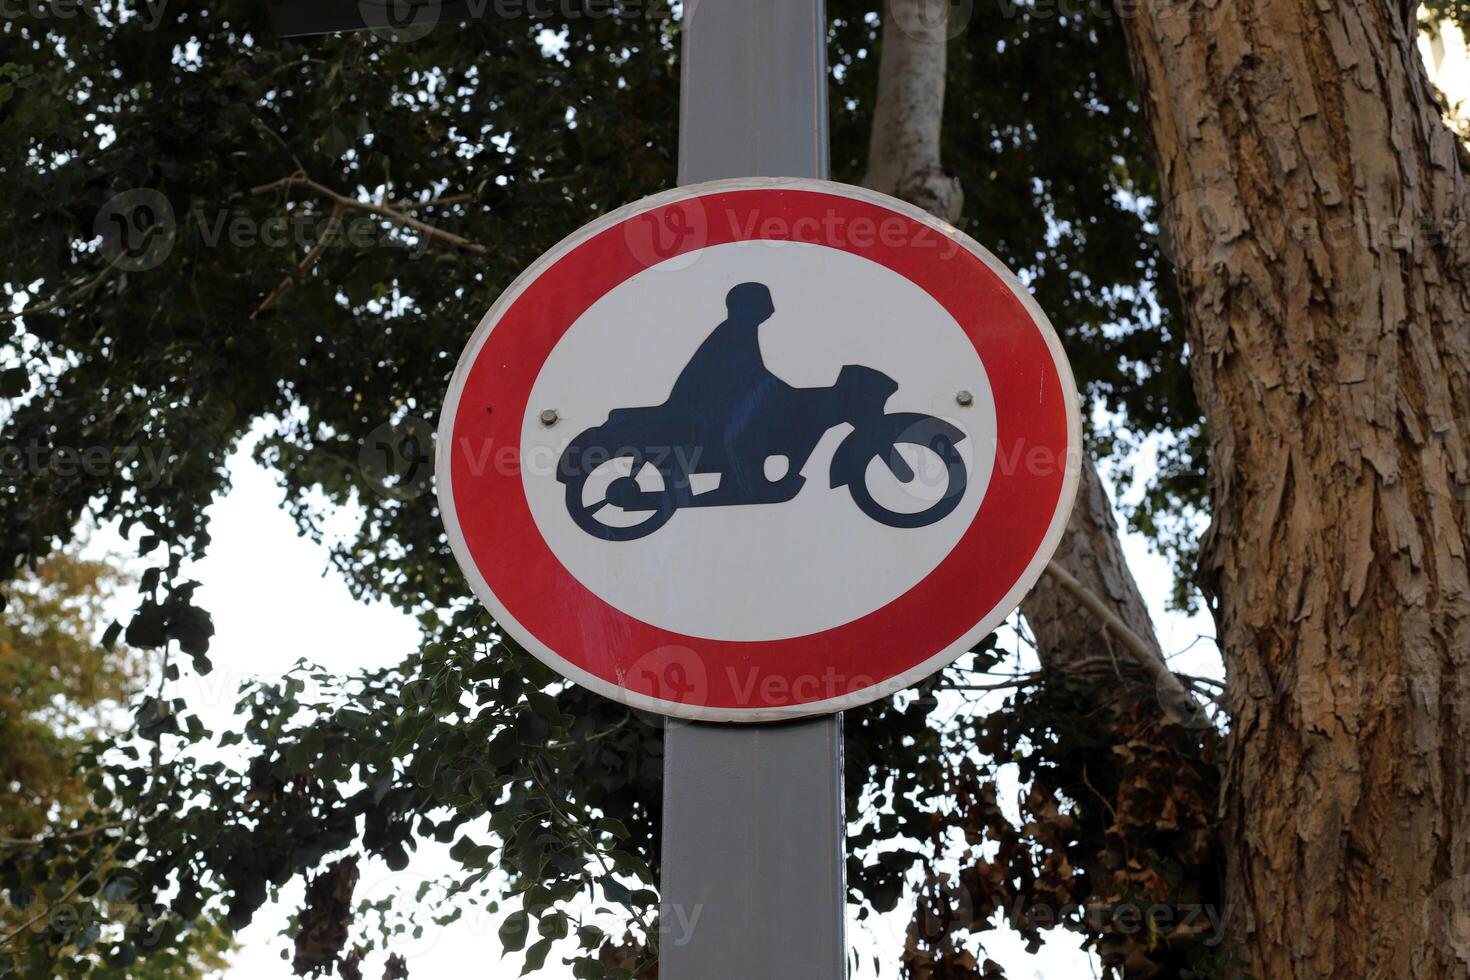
(622, 498)
(924, 472)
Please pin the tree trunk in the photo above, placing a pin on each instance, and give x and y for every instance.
(1317, 212)
(1069, 637)
(1091, 628)
(903, 149)
(904, 161)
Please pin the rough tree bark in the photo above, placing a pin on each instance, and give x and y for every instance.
(1318, 213)
(904, 161)
(1092, 629)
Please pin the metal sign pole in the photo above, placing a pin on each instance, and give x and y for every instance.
(753, 835)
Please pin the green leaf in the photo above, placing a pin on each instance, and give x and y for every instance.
(536, 956)
(470, 854)
(532, 729)
(616, 891)
(335, 141)
(514, 930)
(502, 750)
(587, 968)
(298, 757)
(146, 629)
(553, 925)
(192, 627)
(616, 828)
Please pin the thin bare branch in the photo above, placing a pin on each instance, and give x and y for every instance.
(330, 231)
(81, 292)
(391, 214)
(1143, 654)
(433, 202)
(56, 838)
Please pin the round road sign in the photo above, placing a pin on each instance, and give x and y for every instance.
(758, 449)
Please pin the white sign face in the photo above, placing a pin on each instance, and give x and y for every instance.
(758, 449)
(814, 561)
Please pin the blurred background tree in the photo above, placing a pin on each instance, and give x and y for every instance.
(62, 689)
(59, 687)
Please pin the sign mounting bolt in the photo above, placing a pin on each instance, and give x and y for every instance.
(963, 397)
(549, 416)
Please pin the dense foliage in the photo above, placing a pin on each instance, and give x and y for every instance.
(213, 231)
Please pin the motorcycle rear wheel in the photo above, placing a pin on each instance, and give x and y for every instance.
(955, 477)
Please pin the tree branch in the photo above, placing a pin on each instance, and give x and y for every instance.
(74, 835)
(81, 292)
(333, 223)
(381, 210)
(1143, 653)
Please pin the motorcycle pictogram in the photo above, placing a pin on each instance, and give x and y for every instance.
(730, 419)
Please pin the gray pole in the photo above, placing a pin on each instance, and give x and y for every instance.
(754, 852)
(753, 99)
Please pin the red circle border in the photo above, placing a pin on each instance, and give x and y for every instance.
(850, 663)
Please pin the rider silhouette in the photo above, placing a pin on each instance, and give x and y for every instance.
(729, 362)
(740, 412)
